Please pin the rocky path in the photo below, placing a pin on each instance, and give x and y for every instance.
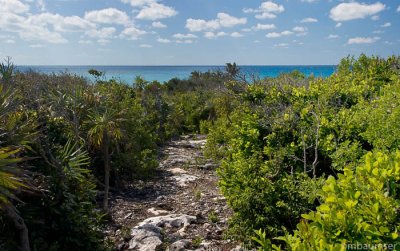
(180, 208)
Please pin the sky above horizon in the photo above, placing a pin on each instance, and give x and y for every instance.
(196, 32)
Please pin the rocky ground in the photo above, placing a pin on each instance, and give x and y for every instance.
(180, 208)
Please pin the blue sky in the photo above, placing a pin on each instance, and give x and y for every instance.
(196, 32)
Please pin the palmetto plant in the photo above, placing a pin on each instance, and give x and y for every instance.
(11, 183)
(105, 128)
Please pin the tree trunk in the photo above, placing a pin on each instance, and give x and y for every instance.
(19, 224)
(106, 172)
(315, 162)
(304, 152)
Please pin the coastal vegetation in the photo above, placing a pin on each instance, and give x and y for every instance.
(305, 163)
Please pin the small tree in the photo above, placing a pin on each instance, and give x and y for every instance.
(104, 129)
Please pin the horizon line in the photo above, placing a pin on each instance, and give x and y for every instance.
(178, 65)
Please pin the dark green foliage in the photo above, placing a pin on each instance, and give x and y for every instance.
(286, 135)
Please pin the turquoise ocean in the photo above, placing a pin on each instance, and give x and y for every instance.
(127, 74)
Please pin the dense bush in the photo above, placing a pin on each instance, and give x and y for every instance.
(360, 207)
(286, 135)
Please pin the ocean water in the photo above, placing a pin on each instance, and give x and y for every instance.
(165, 73)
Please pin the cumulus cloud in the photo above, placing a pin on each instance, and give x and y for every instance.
(309, 20)
(282, 45)
(155, 11)
(184, 36)
(398, 9)
(106, 32)
(363, 40)
(187, 41)
(223, 20)
(263, 27)
(108, 16)
(29, 30)
(163, 40)
(279, 34)
(36, 46)
(212, 35)
(61, 23)
(354, 10)
(338, 25)
(132, 33)
(236, 34)
(267, 10)
(333, 36)
(13, 6)
(385, 25)
(299, 29)
(158, 25)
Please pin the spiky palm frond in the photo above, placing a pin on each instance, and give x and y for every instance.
(74, 160)
(10, 175)
(104, 123)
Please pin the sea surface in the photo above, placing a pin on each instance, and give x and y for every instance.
(165, 73)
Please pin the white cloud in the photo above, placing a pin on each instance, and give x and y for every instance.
(13, 6)
(61, 23)
(158, 25)
(27, 30)
(36, 46)
(309, 20)
(106, 32)
(299, 29)
(286, 33)
(338, 25)
(309, 1)
(385, 25)
(267, 10)
(278, 34)
(263, 27)
(378, 32)
(145, 45)
(138, 3)
(333, 36)
(132, 33)
(212, 35)
(187, 41)
(163, 40)
(155, 11)
(398, 9)
(201, 25)
(108, 16)
(282, 45)
(184, 36)
(363, 40)
(354, 10)
(226, 20)
(223, 20)
(236, 34)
